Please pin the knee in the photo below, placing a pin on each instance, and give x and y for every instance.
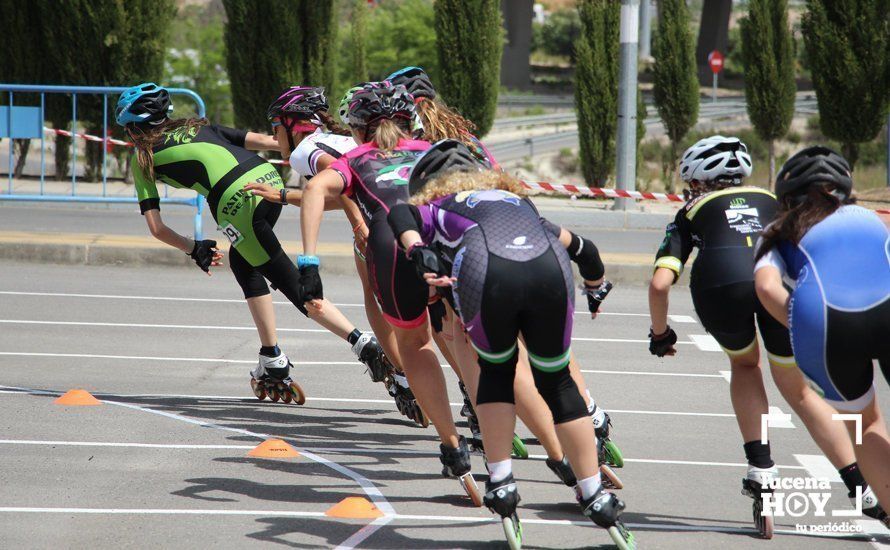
(561, 394)
(496, 381)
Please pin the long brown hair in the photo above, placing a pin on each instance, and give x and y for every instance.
(146, 138)
(455, 182)
(441, 122)
(794, 220)
(331, 125)
(387, 132)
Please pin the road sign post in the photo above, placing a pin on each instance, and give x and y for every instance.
(715, 60)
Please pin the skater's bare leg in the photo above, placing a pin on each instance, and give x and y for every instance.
(263, 313)
(829, 434)
(498, 422)
(327, 315)
(579, 441)
(381, 328)
(873, 454)
(575, 369)
(747, 393)
(532, 409)
(426, 379)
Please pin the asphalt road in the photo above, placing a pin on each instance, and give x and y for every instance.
(163, 462)
(124, 219)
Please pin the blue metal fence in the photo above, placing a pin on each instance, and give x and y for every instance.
(20, 123)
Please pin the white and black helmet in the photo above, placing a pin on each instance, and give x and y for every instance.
(716, 158)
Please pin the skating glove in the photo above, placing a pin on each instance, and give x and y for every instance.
(310, 280)
(425, 260)
(596, 295)
(663, 344)
(202, 253)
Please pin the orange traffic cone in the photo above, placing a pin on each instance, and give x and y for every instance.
(273, 448)
(354, 508)
(77, 397)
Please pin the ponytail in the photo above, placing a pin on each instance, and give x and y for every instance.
(440, 122)
(331, 125)
(387, 132)
(145, 139)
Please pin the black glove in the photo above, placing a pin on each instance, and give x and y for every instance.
(662, 344)
(425, 260)
(596, 295)
(437, 314)
(203, 254)
(310, 280)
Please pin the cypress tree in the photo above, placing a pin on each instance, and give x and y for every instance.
(768, 56)
(469, 40)
(359, 43)
(319, 34)
(675, 81)
(596, 87)
(848, 50)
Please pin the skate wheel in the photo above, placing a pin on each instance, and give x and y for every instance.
(613, 454)
(622, 538)
(287, 396)
(610, 480)
(519, 448)
(274, 395)
(298, 394)
(258, 390)
(763, 523)
(512, 531)
(471, 489)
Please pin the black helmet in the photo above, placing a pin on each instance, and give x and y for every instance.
(447, 155)
(145, 103)
(301, 102)
(378, 100)
(415, 80)
(816, 165)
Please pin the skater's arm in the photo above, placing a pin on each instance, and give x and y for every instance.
(772, 292)
(254, 141)
(359, 228)
(291, 196)
(327, 184)
(659, 289)
(160, 231)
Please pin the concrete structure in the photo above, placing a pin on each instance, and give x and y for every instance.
(515, 64)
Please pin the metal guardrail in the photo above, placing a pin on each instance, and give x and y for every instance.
(74, 91)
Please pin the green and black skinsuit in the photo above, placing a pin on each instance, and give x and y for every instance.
(212, 161)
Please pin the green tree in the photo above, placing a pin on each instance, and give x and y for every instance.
(319, 35)
(596, 87)
(768, 56)
(558, 34)
(469, 41)
(848, 52)
(359, 41)
(675, 80)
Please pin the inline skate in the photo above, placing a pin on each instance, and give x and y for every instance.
(605, 509)
(456, 465)
(271, 378)
(502, 497)
(758, 484)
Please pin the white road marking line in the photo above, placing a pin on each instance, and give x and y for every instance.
(778, 418)
(234, 301)
(298, 363)
(366, 485)
(681, 318)
(252, 329)
(411, 517)
(879, 538)
(727, 375)
(819, 467)
(705, 342)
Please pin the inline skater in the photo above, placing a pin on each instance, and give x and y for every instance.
(441, 122)
(723, 219)
(374, 176)
(839, 311)
(510, 273)
(215, 162)
(311, 140)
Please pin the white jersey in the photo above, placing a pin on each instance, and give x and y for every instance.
(303, 159)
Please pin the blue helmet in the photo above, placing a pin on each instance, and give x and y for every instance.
(415, 80)
(145, 103)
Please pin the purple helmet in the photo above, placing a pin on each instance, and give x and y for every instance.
(378, 100)
(298, 102)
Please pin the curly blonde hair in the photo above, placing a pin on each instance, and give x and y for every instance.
(441, 122)
(455, 182)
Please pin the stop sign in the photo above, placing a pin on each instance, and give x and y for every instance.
(715, 59)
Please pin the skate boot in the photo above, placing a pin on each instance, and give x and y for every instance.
(563, 471)
(870, 505)
(502, 498)
(456, 465)
(369, 352)
(467, 411)
(604, 509)
(406, 403)
(607, 451)
(758, 484)
(271, 378)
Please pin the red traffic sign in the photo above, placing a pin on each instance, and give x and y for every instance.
(715, 60)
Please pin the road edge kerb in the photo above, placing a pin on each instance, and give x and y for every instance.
(111, 255)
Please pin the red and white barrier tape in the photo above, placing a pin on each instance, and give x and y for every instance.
(87, 137)
(566, 189)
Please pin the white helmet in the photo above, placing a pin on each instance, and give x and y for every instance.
(716, 158)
